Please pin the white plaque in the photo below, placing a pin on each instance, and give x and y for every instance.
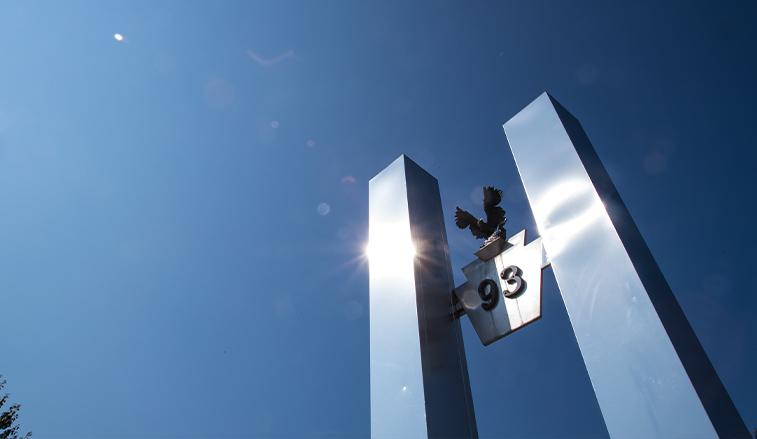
(503, 294)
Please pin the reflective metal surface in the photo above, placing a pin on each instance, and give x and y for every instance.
(523, 287)
(419, 375)
(649, 372)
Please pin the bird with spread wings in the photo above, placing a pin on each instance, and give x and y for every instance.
(495, 216)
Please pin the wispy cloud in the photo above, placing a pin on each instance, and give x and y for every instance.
(266, 62)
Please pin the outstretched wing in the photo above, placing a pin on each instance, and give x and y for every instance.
(492, 197)
(464, 219)
(495, 215)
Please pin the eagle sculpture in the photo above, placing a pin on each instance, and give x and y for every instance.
(495, 217)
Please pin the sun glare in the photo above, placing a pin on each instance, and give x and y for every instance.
(390, 246)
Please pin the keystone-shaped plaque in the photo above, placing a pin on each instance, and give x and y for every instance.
(503, 293)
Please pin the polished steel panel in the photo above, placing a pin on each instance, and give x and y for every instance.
(649, 372)
(509, 313)
(419, 375)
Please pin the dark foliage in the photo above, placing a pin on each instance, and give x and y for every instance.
(7, 429)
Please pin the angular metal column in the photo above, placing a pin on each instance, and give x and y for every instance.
(650, 374)
(419, 375)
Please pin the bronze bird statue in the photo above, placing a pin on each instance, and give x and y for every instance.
(495, 217)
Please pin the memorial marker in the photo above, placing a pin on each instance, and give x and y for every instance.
(650, 374)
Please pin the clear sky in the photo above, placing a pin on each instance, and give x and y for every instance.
(183, 209)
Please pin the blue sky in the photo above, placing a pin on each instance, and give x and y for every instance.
(184, 211)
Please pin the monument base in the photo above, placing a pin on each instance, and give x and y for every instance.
(491, 248)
